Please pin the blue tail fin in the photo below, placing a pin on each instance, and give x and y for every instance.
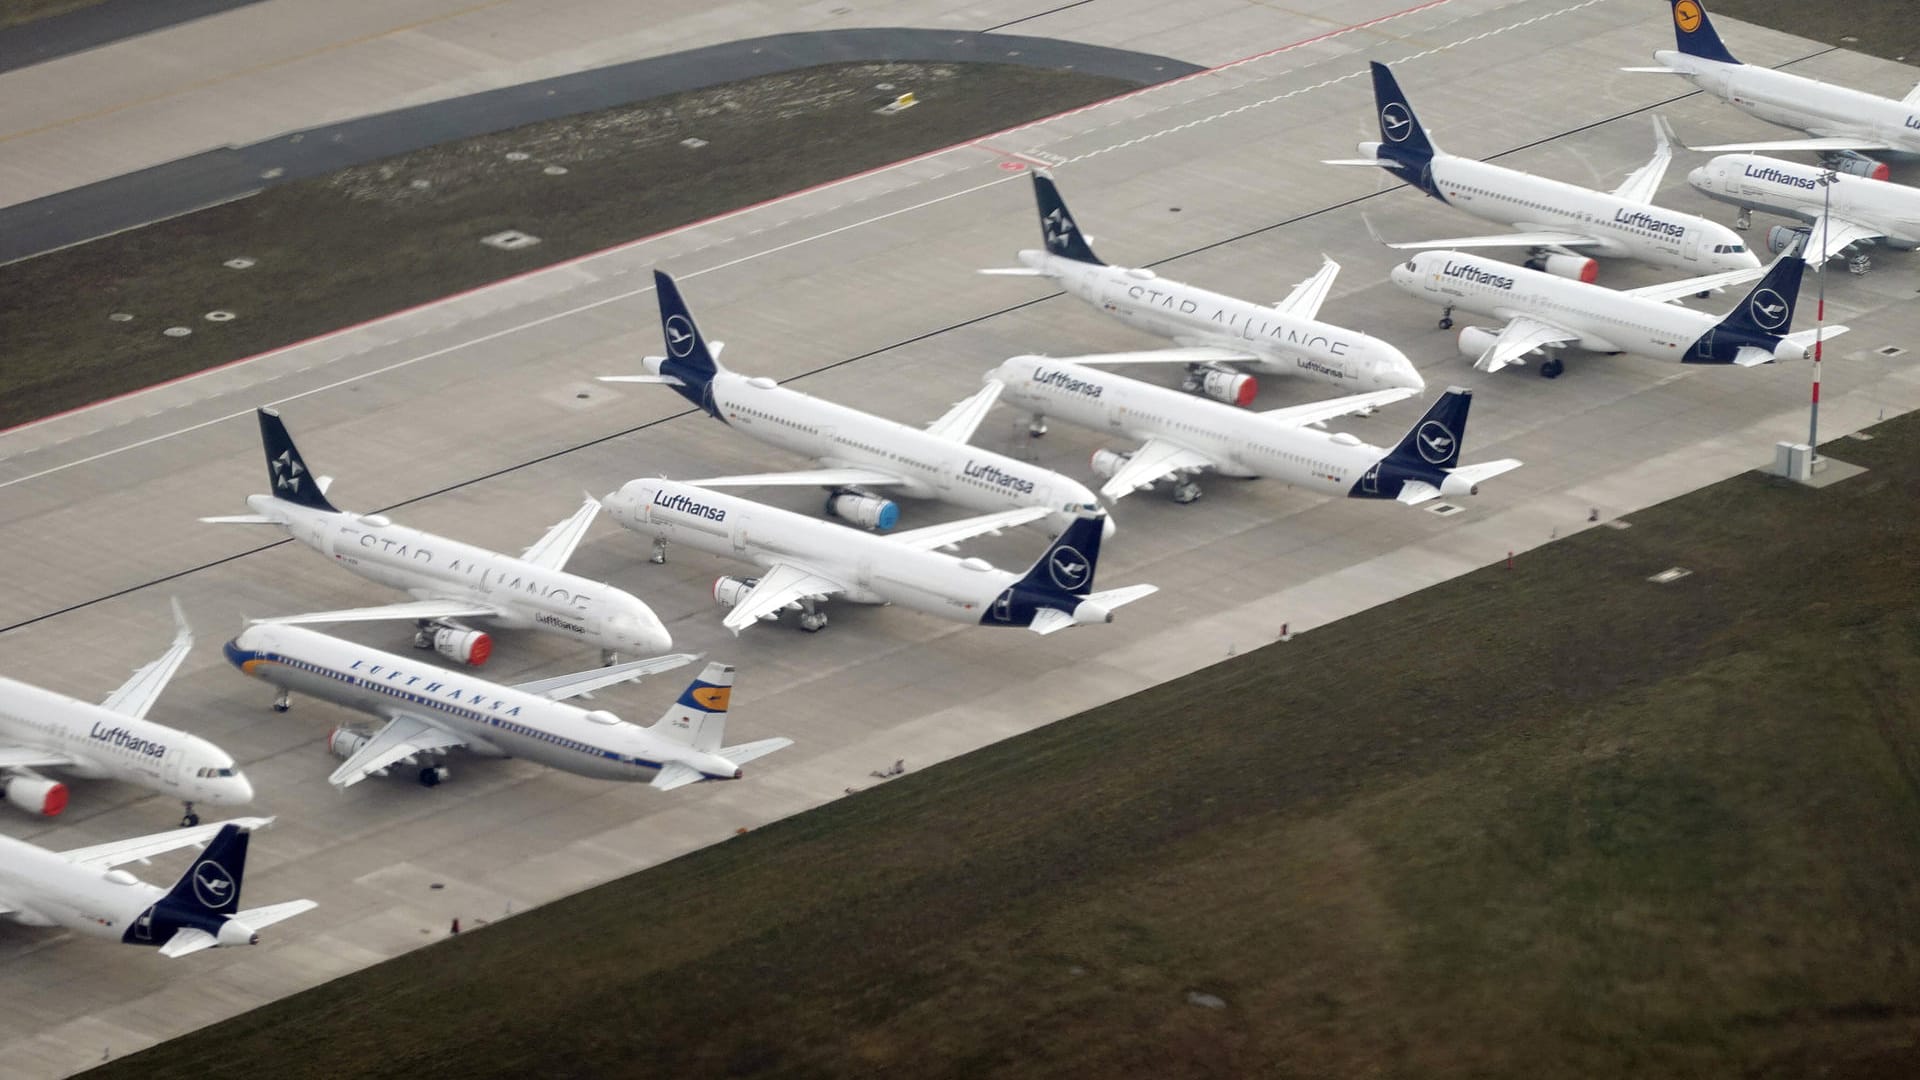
(1694, 34)
(1768, 309)
(1403, 142)
(211, 886)
(287, 473)
(1434, 442)
(1063, 237)
(688, 357)
(1067, 566)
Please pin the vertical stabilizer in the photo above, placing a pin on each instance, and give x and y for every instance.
(211, 886)
(688, 359)
(1405, 150)
(1434, 442)
(1067, 566)
(1693, 32)
(1057, 227)
(699, 718)
(287, 473)
(1768, 309)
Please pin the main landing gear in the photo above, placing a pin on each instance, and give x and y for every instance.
(659, 556)
(608, 658)
(1185, 491)
(1037, 426)
(1744, 219)
(812, 620)
(1552, 366)
(283, 701)
(189, 819)
(1446, 317)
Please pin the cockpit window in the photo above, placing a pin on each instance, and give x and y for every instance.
(1729, 249)
(1410, 265)
(212, 774)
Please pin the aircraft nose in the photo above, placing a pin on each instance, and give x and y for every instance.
(1697, 176)
(235, 790)
(1108, 528)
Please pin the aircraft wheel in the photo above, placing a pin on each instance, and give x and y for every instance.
(1446, 322)
(189, 820)
(814, 623)
(432, 775)
(1552, 369)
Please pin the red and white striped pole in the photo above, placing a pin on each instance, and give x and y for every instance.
(1820, 313)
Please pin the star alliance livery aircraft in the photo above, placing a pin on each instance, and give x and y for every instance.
(449, 580)
(804, 561)
(83, 891)
(857, 450)
(1845, 124)
(1850, 210)
(430, 710)
(114, 740)
(1561, 224)
(1210, 329)
(1183, 436)
(1542, 310)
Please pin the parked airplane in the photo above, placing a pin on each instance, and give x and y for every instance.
(1560, 224)
(1542, 310)
(1851, 211)
(857, 450)
(1845, 124)
(40, 729)
(448, 580)
(430, 710)
(82, 890)
(1182, 436)
(1210, 329)
(804, 560)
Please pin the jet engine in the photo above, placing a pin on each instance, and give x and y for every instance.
(729, 590)
(34, 793)
(344, 742)
(1573, 267)
(1859, 165)
(1476, 340)
(862, 509)
(461, 645)
(1107, 462)
(1782, 237)
(1222, 384)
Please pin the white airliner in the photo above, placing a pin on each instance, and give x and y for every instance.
(84, 891)
(1182, 436)
(856, 450)
(1851, 211)
(1542, 310)
(449, 580)
(430, 710)
(804, 561)
(1562, 224)
(1846, 125)
(114, 740)
(1210, 329)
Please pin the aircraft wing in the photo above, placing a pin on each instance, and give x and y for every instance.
(1825, 142)
(141, 848)
(554, 549)
(782, 584)
(1193, 354)
(138, 693)
(1517, 339)
(1832, 235)
(409, 609)
(402, 737)
(961, 421)
(805, 478)
(1319, 412)
(1156, 458)
(1674, 290)
(562, 687)
(1517, 239)
(1644, 183)
(931, 537)
(27, 757)
(1305, 299)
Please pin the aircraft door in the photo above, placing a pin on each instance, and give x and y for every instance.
(1370, 481)
(739, 533)
(170, 765)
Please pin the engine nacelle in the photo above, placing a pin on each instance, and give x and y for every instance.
(1573, 267)
(1782, 237)
(1861, 165)
(1220, 384)
(470, 647)
(728, 591)
(345, 742)
(866, 511)
(1457, 485)
(34, 793)
(1107, 462)
(1476, 340)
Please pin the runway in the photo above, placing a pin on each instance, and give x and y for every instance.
(478, 418)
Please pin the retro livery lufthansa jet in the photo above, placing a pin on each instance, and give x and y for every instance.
(448, 580)
(1560, 223)
(859, 453)
(1211, 330)
(1841, 211)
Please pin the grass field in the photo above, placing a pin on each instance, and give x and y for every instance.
(367, 241)
(1548, 821)
(1887, 28)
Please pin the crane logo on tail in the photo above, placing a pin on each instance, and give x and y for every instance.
(1435, 442)
(1395, 122)
(212, 885)
(1686, 16)
(1769, 309)
(679, 335)
(1069, 569)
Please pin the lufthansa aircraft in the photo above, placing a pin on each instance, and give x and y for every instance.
(1846, 125)
(1182, 436)
(114, 740)
(449, 580)
(84, 890)
(1561, 224)
(858, 451)
(1210, 329)
(430, 710)
(1850, 211)
(1542, 311)
(803, 561)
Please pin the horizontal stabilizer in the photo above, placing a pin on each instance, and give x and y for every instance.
(1657, 70)
(1486, 470)
(1121, 597)
(1805, 338)
(661, 380)
(1415, 492)
(241, 519)
(1749, 356)
(262, 917)
(1354, 161)
(187, 940)
(746, 752)
(1011, 271)
(676, 774)
(1050, 621)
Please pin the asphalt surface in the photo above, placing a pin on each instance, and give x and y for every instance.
(479, 417)
(99, 24)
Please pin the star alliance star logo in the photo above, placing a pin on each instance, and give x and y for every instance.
(286, 472)
(1056, 225)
